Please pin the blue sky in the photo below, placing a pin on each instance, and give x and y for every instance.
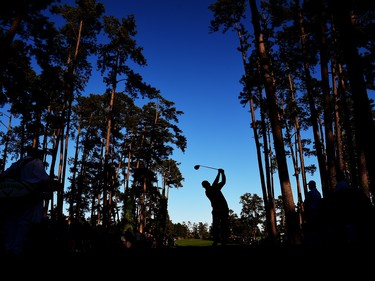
(200, 73)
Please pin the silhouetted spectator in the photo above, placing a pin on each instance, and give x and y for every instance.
(312, 210)
(18, 223)
(353, 212)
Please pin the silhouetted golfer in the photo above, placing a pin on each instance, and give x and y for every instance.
(220, 210)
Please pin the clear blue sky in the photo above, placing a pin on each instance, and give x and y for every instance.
(200, 73)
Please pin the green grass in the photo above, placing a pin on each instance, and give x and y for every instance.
(193, 242)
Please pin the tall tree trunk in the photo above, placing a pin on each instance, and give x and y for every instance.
(9, 36)
(349, 135)
(363, 117)
(268, 197)
(6, 144)
(327, 105)
(293, 153)
(293, 228)
(314, 114)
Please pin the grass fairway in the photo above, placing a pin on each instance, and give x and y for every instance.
(193, 243)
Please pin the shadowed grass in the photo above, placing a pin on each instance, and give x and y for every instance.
(193, 243)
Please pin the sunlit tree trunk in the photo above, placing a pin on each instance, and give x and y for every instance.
(314, 114)
(267, 196)
(327, 104)
(293, 228)
(6, 144)
(363, 115)
(293, 153)
(347, 125)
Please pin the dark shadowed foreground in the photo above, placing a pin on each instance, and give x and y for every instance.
(250, 262)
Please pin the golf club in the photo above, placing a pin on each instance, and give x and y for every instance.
(196, 167)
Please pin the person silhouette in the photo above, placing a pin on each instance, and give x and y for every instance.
(312, 208)
(220, 210)
(18, 223)
(354, 213)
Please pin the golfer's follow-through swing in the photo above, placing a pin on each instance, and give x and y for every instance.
(196, 167)
(220, 210)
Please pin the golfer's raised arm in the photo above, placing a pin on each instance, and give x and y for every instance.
(216, 181)
(223, 177)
